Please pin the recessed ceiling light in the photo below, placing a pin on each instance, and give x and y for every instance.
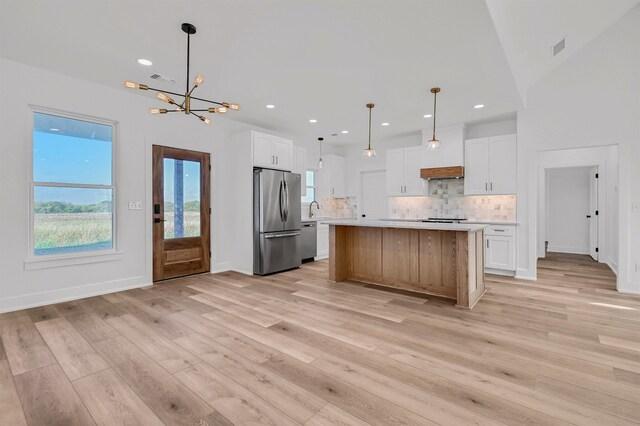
(270, 106)
(53, 129)
(313, 120)
(344, 132)
(478, 106)
(384, 124)
(427, 116)
(145, 62)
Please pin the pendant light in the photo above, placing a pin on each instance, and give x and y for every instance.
(434, 143)
(320, 159)
(185, 105)
(369, 152)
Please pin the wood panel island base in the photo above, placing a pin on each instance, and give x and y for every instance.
(445, 260)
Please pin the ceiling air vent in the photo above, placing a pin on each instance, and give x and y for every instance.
(163, 79)
(559, 47)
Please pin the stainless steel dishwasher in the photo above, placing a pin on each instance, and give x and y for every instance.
(309, 240)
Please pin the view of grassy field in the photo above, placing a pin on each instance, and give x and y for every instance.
(53, 230)
(191, 224)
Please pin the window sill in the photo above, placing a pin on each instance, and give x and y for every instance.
(79, 259)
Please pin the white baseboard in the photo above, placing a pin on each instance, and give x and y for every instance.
(570, 250)
(323, 256)
(500, 272)
(221, 267)
(612, 265)
(526, 274)
(32, 300)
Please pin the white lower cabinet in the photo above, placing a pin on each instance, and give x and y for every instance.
(500, 247)
(323, 241)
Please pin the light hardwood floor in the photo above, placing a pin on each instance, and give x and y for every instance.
(295, 349)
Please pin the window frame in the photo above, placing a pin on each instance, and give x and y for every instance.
(54, 260)
(314, 171)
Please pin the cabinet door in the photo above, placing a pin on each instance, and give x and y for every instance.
(262, 151)
(500, 252)
(476, 166)
(413, 183)
(322, 242)
(323, 180)
(502, 164)
(338, 181)
(299, 166)
(395, 172)
(283, 153)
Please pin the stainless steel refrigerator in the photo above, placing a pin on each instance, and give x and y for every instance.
(276, 221)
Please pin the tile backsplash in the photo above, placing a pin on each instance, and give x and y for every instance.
(446, 199)
(332, 207)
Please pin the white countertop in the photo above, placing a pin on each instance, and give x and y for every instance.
(482, 222)
(407, 225)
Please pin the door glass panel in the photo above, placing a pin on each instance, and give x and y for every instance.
(181, 198)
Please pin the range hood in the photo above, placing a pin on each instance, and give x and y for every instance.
(451, 172)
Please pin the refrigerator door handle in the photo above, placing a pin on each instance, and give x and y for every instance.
(281, 201)
(290, 234)
(286, 204)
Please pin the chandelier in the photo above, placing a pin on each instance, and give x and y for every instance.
(185, 105)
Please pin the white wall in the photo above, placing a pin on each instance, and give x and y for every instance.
(137, 132)
(568, 199)
(590, 100)
(497, 128)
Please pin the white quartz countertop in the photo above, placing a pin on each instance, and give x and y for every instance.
(482, 222)
(407, 225)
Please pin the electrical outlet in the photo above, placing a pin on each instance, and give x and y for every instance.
(135, 205)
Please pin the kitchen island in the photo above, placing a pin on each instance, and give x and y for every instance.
(442, 259)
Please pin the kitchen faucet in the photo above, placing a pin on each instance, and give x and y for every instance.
(311, 205)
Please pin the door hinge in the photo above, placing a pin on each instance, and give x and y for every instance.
(210, 253)
(596, 212)
(209, 167)
(209, 210)
(596, 249)
(596, 176)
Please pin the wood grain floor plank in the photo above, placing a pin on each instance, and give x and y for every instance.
(23, 344)
(331, 415)
(168, 398)
(74, 354)
(233, 401)
(166, 353)
(10, 405)
(111, 402)
(48, 398)
(294, 401)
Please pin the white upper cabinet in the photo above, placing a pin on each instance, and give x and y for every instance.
(476, 166)
(272, 152)
(490, 165)
(331, 178)
(403, 171)
(503, 160)
(300, 167)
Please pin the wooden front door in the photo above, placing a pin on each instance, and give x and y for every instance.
(181, 212)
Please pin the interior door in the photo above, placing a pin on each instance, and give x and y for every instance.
(374, 201)
(181, 212)
(593, 213)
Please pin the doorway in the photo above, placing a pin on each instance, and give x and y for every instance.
(181, 212)
(374, 198)
(572, 211)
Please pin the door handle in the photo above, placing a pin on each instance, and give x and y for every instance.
(492, 186)
(364, 215)
(588, 216)
(291, 234)
(286, 199)
(486, 186)
(158, 220)
(281, 195)
(487, 243)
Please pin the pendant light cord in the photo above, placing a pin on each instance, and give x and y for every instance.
(434, 116)
(369, 129)
(188, 58)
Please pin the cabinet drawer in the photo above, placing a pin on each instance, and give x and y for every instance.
(504, 230)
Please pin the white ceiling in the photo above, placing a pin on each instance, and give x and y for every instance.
(321, 59)
(529, 28)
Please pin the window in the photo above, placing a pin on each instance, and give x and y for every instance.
(72, 185)
(311, 189)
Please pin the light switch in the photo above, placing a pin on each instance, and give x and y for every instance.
(135, 205)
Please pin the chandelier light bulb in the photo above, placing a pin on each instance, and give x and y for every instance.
(131, 84)
(164, 98)
(199, 79)
(369, 153)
